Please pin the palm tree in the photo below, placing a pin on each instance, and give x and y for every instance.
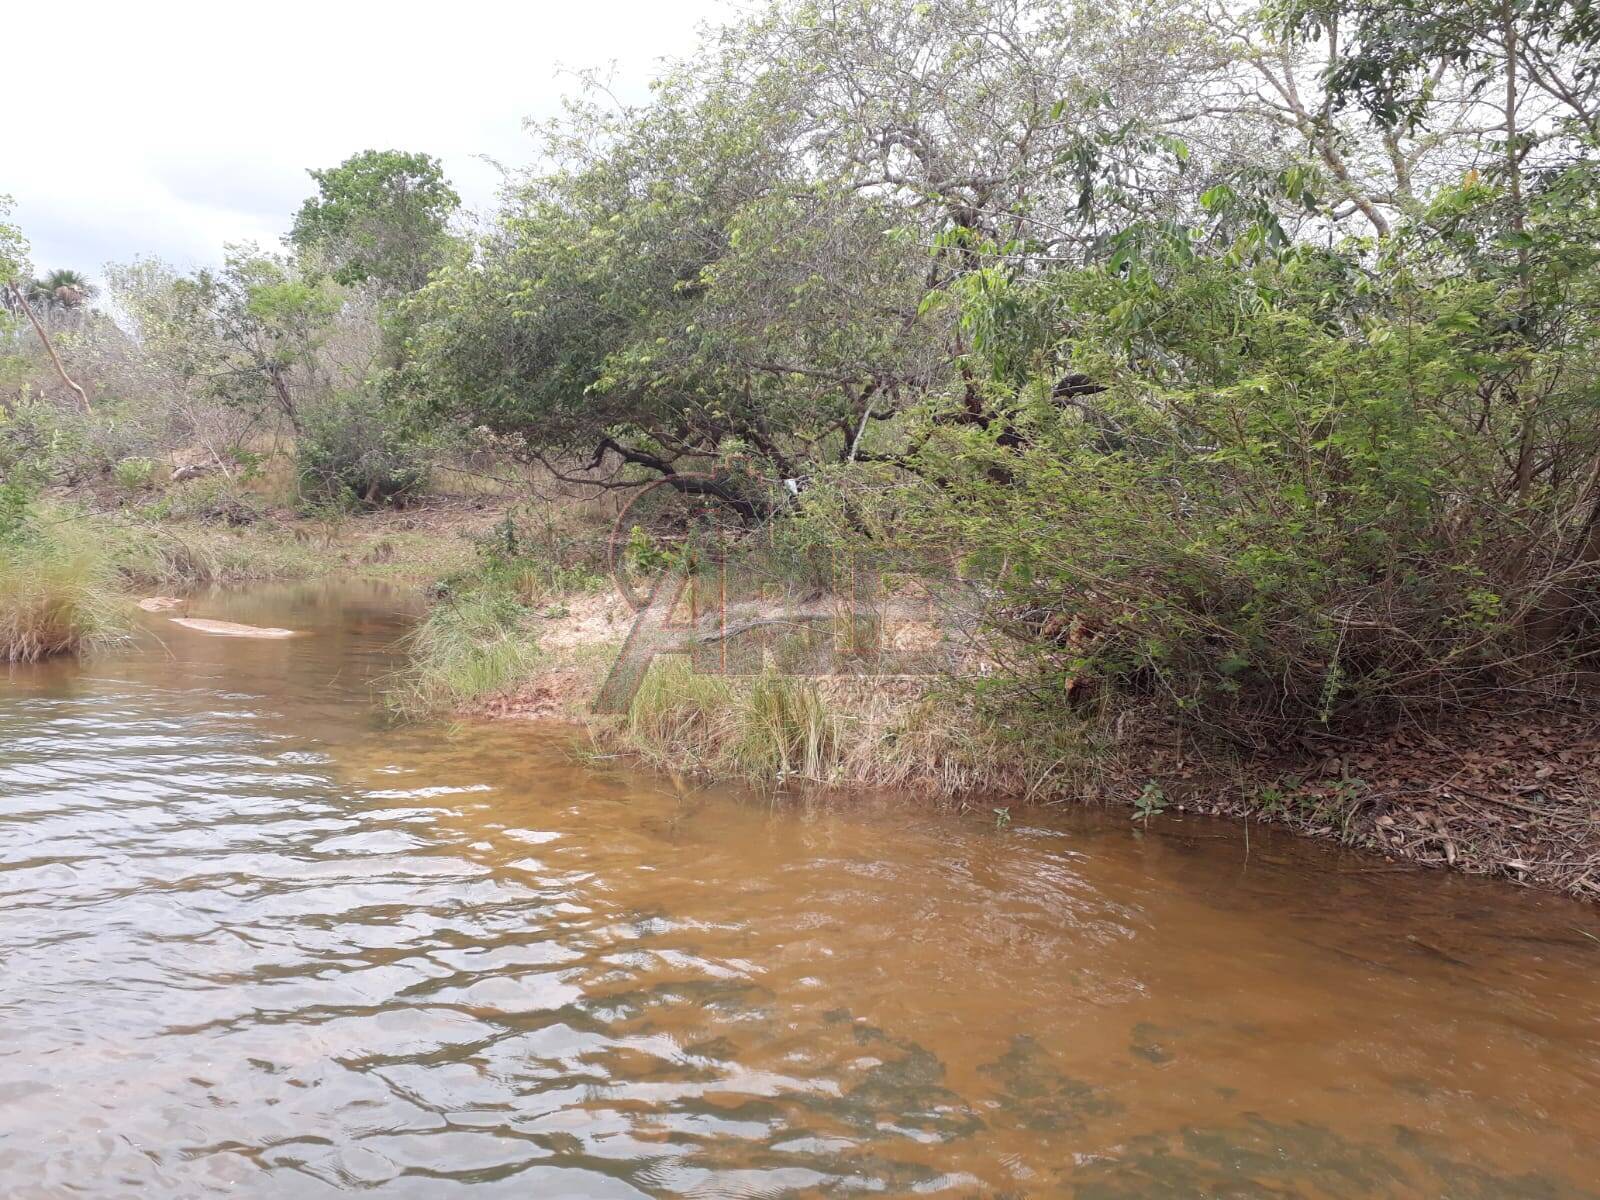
(62, 290)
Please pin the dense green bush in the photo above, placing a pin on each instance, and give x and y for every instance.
(42, 443)
(1293, 489)
(67, 446)
(358, 448)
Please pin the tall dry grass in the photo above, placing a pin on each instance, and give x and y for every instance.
(838, 732)
(58, 592)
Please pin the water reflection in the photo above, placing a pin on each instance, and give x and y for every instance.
(253, 942)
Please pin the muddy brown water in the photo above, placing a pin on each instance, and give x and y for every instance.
(254, 942)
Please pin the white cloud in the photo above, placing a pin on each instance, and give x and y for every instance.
(171, 127)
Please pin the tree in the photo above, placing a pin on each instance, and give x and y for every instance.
(1528, 75)
(13, 261)
(14, 267)
(739, 272)
(1539, 55)
(62, 290)
(380, 217)
(1395, 99)
(683, 296)
(249, 335)
(13, 246)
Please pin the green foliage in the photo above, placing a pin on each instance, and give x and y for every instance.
(669, 301)
(41, 444)
(122, 439)
(1395, 50)
(1150, 802)
(481, 635)
(381, 216)
(736, 273)
(13, 246)
(1179, 335)
(251, 336)
(357, 446)
(134, 474)
(773, 729)
(514, 559)
(15, 499)
(1298, 488)
(473, 643)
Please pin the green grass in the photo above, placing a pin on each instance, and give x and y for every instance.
(183, 554)
(470, 645)
(58, 591)
(482, 635)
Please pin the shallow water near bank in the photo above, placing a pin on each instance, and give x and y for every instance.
(255, 941)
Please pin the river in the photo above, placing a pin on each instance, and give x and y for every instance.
(257, 941)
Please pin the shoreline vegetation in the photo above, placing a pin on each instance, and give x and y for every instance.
(1229, 375)
(530, 634)
(72, 572)
(1503, 790)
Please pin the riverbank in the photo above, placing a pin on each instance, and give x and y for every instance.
(1505, 793)
(70, 573)
(415, 545)
(1513, 794)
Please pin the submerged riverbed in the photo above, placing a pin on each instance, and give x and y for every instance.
(254, 941)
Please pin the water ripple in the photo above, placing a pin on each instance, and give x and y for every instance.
(253, 942)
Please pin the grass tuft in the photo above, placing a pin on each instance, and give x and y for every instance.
(837, 732)
(470, 645)
(58, 592)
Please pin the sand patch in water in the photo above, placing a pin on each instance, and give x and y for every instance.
(231, 628)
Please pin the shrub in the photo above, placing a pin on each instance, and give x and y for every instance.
(134, 474)
(1287, 495)
(356, 446)
(40, 443)
(65, 445)
(15, 501)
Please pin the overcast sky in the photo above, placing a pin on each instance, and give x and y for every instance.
(169, 127)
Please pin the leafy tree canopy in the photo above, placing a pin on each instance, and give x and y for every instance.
(248, 335)
(381, 216)
(1394, 53)
(13, 246)
(738, 271)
